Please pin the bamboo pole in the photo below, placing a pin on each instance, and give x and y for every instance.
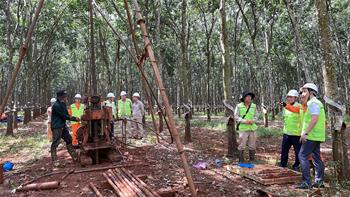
(161, 87)
(22, 53)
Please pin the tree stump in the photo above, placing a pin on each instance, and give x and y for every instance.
(187, 128)
(208, 114)
(232, 149)
(9, 130)
(27, 115)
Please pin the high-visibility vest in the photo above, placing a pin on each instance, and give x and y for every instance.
(77, 112)
(318, 133)
(242, 110)
(292, 121)
(124, 107)
(112, 105)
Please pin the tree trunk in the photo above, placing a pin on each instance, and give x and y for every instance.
(331, 91)
(184, 53)
(188, 137)
(232, 148)
(226, 58)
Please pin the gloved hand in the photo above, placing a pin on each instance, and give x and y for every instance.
(284, 104)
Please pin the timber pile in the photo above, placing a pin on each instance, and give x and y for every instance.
(126, 184)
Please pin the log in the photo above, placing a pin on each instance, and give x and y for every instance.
(95, 190)
(41, 186)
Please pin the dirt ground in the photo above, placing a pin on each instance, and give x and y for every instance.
(162, 167)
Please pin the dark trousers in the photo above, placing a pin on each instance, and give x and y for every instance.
(57, 134)
(307, 148)
(287, 143)
(111, 133)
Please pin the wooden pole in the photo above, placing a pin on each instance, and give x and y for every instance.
(22, 53)
(164, 96)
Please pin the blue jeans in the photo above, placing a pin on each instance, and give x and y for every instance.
(307, 148)
(287, 143)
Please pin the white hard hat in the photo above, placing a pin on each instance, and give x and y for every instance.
(110, 95)
(53, 100)
(77, 96)
(136, 94)
(293, 93)
(122, 93)
(311, 86)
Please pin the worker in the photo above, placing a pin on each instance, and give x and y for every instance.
(138, 110)
(77, 110)
(312, 135)
(291, 130)
(246, 117)
(110, 103)
(59, 117)
(124, 111)
(48, 112)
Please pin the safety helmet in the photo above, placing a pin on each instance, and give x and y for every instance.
(293, 93)
(77, 96)
(122, 93)
(311, 86)
(136, 94)
(110, 95)
(53, 100)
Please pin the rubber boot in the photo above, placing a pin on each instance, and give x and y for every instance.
(241, 156)
(55, 162)
(252, 155)
(72, 152)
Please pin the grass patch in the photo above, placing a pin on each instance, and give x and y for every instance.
(347, 120)
(268, 132)
(32, 145)
(215, 125)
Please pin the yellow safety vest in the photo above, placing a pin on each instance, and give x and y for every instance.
(250, 115)
(77, 112)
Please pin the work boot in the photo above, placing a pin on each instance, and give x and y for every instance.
(241, 156)
(318, 184)
(55, 162)
(72, 152)
(252, 155)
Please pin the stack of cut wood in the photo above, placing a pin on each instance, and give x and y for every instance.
(126, 184)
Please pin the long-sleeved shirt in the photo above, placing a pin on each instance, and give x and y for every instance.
(138, 109)
(60, 115)
(238, 117)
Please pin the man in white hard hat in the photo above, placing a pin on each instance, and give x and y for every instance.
(312, 135)
(138, 110)
(110, 103)
(77, 110)
(49, 112)
(125, 111)
(291, 130)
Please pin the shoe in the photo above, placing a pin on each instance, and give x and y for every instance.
(303, 185)
(318, 184)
